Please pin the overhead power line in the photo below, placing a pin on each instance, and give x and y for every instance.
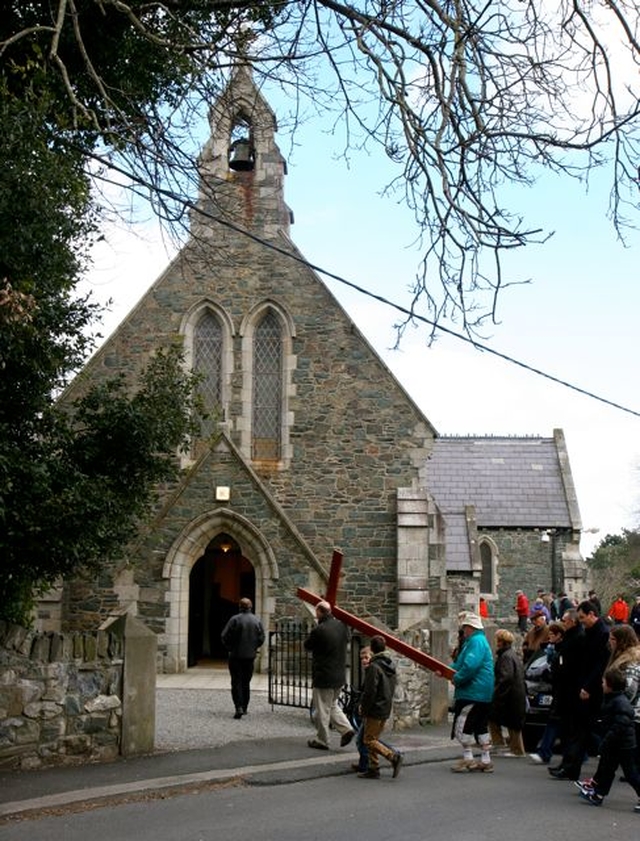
(187, 203)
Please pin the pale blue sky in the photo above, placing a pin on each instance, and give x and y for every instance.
(577, 320)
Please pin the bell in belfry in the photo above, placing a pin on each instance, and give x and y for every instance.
(241, 156)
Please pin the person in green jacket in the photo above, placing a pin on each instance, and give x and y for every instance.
(473, 680)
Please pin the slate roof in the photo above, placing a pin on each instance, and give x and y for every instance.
(513, 482)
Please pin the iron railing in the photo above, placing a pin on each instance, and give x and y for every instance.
(290, 682)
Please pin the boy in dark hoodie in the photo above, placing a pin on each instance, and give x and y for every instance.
(375, 708)
(618, 744)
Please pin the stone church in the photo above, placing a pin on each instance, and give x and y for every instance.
(312, 445)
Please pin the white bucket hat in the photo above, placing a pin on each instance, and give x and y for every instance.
(473, 620)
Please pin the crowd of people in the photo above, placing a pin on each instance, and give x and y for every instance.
(594, 666)
(593, 662)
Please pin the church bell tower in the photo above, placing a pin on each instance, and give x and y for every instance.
(241, 170)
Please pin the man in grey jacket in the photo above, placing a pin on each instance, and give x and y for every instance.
(242, 636)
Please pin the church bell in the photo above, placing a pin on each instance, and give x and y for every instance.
(241, 157)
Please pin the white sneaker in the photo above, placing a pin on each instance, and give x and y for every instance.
(535, 757)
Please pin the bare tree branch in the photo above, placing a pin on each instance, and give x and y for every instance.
(466, 97)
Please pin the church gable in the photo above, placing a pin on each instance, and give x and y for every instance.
(304, 399)
(219, 535)
(310, 443)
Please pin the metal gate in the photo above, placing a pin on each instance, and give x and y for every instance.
(290, 665)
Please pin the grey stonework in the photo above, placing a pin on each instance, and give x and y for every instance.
(60, 697)
(355, 438)
(525, 564)
(73, 698)
(361, 469)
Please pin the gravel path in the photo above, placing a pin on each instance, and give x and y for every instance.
(202, 718)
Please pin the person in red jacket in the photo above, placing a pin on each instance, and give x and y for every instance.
(522, 609)
(483, 610)
(618, 613)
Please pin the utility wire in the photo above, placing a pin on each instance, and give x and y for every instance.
(293, 255)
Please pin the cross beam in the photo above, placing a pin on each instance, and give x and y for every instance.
(334, 577)
(414, 654)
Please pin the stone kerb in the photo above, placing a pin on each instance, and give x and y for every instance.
(60, 697)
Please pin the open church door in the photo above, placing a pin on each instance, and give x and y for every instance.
(217, 582)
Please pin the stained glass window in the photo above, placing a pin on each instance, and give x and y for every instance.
(207, 354)
(267, 389)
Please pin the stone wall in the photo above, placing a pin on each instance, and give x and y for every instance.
(421, 697)
(413, 702)
(60, 697)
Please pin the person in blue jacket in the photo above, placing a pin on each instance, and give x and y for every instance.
(473, 680)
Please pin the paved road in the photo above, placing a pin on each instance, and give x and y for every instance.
(199, 743)
(427, 801)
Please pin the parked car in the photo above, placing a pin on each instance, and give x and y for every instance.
(537, 677)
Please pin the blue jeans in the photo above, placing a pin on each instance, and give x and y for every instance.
(548, 740)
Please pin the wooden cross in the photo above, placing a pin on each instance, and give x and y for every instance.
(366, 628)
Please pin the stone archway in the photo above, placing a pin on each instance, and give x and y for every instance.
(217, 582)
(186, 550)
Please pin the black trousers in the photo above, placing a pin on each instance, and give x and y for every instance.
(605, 774)
(241, 671)
(580, 733)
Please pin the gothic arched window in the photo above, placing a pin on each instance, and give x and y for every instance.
(207, 359)
(487, 576)
(267, 389)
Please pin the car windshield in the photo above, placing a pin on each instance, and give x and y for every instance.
(538, 668)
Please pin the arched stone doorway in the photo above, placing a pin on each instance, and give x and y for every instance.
(217, 582)
(199, 548)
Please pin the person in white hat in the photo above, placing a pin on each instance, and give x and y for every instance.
(473, 680)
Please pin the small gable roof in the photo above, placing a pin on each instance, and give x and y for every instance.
(511, 482)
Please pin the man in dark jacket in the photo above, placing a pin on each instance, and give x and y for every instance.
(375, 708)
(582, 718)
(327, 643)
(569, 669)
(618, 742)
(242, 636)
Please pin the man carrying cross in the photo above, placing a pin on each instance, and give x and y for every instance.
(327, 643)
